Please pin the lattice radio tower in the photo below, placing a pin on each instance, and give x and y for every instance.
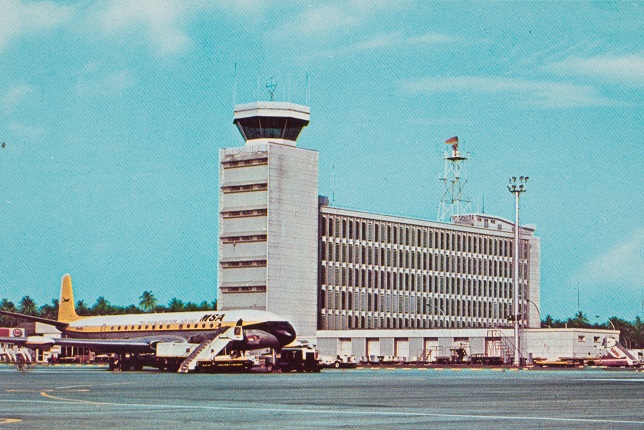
(454, 202)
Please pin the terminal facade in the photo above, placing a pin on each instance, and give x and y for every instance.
(359, 283)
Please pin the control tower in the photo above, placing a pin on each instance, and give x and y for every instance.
(277, 122)
(268, 216)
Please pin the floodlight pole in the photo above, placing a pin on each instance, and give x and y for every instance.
(516, 188)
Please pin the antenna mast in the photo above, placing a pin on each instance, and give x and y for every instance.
(271, 89)
(453, 203)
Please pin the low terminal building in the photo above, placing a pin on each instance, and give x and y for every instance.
(553, 344)
(10, 352)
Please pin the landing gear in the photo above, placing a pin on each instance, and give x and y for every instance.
(125, 362)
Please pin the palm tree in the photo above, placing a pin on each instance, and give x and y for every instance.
(579, 320)
(175, 305)
(81, 308)
(8, 306)
(28, 306)
(50, 311)
(204, 306)
(101, 307)
(147, 301)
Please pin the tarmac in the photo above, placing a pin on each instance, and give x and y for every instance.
(82, 397)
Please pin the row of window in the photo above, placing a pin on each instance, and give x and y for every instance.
(347, 322)
(414, 259)
(427, 237)
(458, 306)
(155, 327)
(231, 162)
(385, 280)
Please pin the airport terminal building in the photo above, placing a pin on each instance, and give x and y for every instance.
(359, 283)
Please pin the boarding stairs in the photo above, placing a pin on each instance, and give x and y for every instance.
(616, 350)
(503, 347)
(209, 348)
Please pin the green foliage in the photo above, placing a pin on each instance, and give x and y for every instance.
(49, 311)
(82, 309)
(28, 306)
(8, 306)
(147, 301)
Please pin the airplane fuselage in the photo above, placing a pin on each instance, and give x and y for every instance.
(261, 329)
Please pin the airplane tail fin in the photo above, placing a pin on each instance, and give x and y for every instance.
(66, 308)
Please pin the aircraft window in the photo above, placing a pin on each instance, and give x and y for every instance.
(146, 327)
(139, 328)
(203, 325)
(119, 327)
(154, 327)
(211, 325)
(180, 326)
(168, 326)
(112, 328)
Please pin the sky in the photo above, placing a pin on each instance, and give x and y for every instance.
(113, 112)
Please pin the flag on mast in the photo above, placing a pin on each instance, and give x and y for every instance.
(452, 140)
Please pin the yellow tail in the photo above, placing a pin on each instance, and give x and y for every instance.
(66, 309)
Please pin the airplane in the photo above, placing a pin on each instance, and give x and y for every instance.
(135, 339)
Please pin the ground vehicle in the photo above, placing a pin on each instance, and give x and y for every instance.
(296, 359)
(340, 362)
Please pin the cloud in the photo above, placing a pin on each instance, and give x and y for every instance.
(623, 264)
(326, 21)
(329, 23)
(393, 40)
(531, 92)
(97, 81)
(626, 69)
(19, 18)
(25, 131)
(398, 39)
(162, 22)
(441, 121)
(16, 95)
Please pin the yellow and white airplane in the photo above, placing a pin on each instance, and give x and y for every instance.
(136, 337)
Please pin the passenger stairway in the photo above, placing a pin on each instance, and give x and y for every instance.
(209, 348)
(504, 346)
(617, 351)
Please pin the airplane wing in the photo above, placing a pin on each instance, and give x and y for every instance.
(99, 345)
(58, 324)
(133, 345)
(110, 345)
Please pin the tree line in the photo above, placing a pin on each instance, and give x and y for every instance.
(147, 304)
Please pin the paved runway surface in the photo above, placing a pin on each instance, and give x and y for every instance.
(78, 397)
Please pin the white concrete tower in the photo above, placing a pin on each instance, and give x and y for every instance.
(268, 216)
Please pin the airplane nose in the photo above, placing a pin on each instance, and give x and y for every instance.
(285, 333)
